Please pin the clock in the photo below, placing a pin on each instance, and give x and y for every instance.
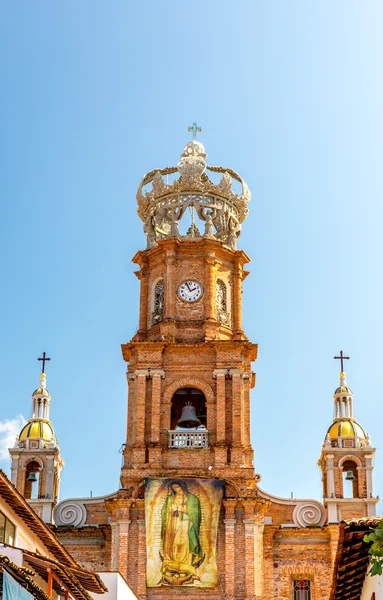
(190, 291)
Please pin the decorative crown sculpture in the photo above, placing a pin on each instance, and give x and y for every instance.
(162, 206)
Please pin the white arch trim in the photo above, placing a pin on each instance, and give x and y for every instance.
(355, 459)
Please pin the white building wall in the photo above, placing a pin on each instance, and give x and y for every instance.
(118, 589)
(372, 585)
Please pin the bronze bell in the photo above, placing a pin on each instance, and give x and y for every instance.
(188, 417)
(350, 476)
(32, 477)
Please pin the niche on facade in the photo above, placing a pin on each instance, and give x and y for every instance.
(350, 486)
(222, 302)
(158, 302)
(187, 397)
(32, 480)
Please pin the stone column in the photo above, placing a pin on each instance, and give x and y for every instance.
(237, 298)
(141, 554)
(220, 450)
(144, 297)
(229, 548)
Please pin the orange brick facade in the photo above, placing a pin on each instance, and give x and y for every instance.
(199, 346)
(263, 542)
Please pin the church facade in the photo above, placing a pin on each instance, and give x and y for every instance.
(190, 517)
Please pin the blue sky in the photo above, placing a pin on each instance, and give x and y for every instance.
(94, 95)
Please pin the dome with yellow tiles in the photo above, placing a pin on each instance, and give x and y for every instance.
(37, 429)
(346, 428)
(343, 389)
(41, 391)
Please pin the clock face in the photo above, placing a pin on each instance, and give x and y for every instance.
(190, 291)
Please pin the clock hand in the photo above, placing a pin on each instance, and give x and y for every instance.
(188, 286)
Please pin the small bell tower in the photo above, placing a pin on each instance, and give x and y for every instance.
(36, 458)
(346, 461)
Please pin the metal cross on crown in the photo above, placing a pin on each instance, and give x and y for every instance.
(194, 129)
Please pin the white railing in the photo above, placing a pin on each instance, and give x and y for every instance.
(188, 439)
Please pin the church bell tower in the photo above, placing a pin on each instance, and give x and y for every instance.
(189, 380)
(346, 461)
(36, 458)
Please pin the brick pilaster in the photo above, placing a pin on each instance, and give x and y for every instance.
(209, 291)
(249, 522)
(140, 395)
(143, 277)
(237, 299)
(170, 291)
(156, 375)
(141, 565)
(229, 522)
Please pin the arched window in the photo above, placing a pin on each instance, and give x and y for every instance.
(221, 302)
(32, 475)
(189, 397)
(158, 302)
(350, 479)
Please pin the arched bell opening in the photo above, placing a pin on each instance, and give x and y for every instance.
(350, 479)
(188, 409)
(32, 480)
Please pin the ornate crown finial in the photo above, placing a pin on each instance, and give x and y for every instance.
(162, 205)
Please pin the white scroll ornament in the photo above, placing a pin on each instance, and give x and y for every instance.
(70, 513)
(309, 514)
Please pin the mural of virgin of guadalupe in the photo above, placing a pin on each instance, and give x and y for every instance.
(181, 521)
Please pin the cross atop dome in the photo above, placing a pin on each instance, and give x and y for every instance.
(341, 358)
(44, 359)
